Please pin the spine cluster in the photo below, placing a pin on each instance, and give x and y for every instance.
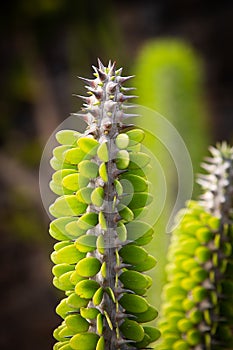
(198, 299)
(100, 178)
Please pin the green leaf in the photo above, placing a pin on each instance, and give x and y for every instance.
(73, 230)
(149, 315)
(75, 278)
(88, 267)
(59, 152)
(98, 296)
(86, 243)
(58, 228)
(181, 345)
(63, 282)
(126, 214)
(84, 195)
(152, 332)
(133, 303)
(74, 155)
(135, 136)
(133, 279)
(144, 342)
(137, 200)
(88, 145)
(66, 333)
(132, 254)
(75, 181)
(138, 160)
(58, 164)
(59, 269)
(132, 330)
(102, 221)
(122, 159)
(76, 302)
(122, 141)
(67, 205)
(99, 324)
(101, 344)
(97, 196)
(62, 244)
(103, 270)
(67, 137)
(69, 255)
(121, 232)
(62, 309)
(86, 289)
(87, 341)
(100, 244)
(146, 265)
(87, 221)
(119, 188)
(58, 189)
(103, 172)
(89, 312)
(88, 169)
(77, 323)
(138, 183)
(59, 175)
(102, 152)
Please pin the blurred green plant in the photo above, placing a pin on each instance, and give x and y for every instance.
(169, 79)
(198, 298)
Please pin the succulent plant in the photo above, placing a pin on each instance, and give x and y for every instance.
(197, 311)
(100, 178)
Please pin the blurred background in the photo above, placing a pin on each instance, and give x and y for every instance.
(181, 52)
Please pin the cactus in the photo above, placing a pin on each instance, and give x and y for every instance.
(100, 178)
(198, 299)
(169, 79)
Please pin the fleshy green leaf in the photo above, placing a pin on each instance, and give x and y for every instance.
(132, 330)
(132, 254)
(86, 289)
(88, 267)
(133, 303)
(88, 169)
(67, 205)
(87, 221)
(86, 243)
(102, 152)
(74, 155)
(97, 196)
(87, 341)
(122, 159)
(122, 141)
(88, 145)
(67, 137)
(77, 323)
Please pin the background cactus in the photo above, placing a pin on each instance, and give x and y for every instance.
(99, 260)
(198, 299)
(169, 79)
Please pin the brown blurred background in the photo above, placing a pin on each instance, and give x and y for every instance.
(44, 45)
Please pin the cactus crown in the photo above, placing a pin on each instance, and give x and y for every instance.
(100, 262)
(197, 310)
(218, 183)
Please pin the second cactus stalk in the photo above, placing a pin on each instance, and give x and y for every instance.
(198, 299)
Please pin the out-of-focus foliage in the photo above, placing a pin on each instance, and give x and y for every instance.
(169, 79)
